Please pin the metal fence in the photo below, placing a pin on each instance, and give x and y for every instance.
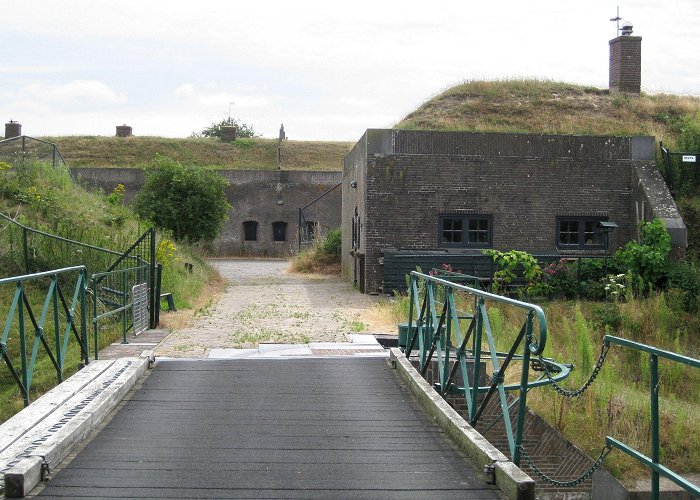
(653, 462)
(46, 310)
(16, 150)
(29, 250)
(460, 336)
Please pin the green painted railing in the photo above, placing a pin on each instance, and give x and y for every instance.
(657, 469)
(57, 313)
(438, 329)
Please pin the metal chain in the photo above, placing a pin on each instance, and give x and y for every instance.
(567, 484)
(567, 393)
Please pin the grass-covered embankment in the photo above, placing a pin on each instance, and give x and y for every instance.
(244, 153)
(47, 199)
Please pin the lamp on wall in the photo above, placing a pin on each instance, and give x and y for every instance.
(607, 227)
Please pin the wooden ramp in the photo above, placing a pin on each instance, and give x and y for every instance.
(292, 428)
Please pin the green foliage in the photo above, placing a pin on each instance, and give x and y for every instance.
(332, 242)
(214, 130)
(648, 262)
(683, 283)
(189, 202)
(511, 263)
(322, 257)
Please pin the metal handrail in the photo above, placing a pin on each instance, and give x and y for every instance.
(536, 348)
(657, 469)
(433, 335)
(54, 299)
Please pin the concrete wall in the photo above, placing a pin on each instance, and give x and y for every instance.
(407, 179)
(255, 195)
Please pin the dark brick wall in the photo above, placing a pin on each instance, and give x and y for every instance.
(258, 195)
(407, 193)
(354, 169)
(407, 179)
(626, 64)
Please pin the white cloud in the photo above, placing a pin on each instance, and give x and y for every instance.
(85, 91)
(357, 101)
(220, 100)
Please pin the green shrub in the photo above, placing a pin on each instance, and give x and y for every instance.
(648, 262)
(189, 202)
(322, 257)
(683, 282)
(332, 243)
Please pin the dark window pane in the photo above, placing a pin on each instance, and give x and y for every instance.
(568, 232)
(478, 230)
(452, 230)
(279, 231)
(593, 235)
(250, 230)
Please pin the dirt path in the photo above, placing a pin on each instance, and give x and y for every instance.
(264, 303)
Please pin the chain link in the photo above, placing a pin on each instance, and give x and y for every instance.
(541, 364)
(567, 484)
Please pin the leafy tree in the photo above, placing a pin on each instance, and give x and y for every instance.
(214, 130)
(189, 202)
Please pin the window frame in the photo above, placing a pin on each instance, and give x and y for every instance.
(465, 221)
(580, 232)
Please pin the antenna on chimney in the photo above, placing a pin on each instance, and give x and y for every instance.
(617, 20)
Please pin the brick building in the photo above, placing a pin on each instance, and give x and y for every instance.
(456, 193)
(264, 216)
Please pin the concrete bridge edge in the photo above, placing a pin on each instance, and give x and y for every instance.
(58, 434)
(509, 478)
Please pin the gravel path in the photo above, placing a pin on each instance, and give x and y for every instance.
(264, 303)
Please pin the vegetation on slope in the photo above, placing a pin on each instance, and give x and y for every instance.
(244, 153)
(46, 198)
(547, 107)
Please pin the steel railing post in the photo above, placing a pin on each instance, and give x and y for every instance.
(654, 383)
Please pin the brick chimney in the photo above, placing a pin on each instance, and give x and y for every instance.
(626, 62)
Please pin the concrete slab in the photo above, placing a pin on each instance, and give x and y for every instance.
(53, 425)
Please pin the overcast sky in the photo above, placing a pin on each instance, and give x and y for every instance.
(327, 70)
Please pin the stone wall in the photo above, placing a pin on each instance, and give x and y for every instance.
(255, 195)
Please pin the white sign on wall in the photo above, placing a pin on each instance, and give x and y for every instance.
(689, 158)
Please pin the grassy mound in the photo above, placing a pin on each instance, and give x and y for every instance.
(547, 107)
(252, 154)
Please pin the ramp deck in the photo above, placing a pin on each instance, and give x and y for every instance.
(294, 428)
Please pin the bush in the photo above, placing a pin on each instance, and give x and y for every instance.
(648, 262)
(322, 257)
(683, 282)
(189, 202)
(214, 130)
(332, 243)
